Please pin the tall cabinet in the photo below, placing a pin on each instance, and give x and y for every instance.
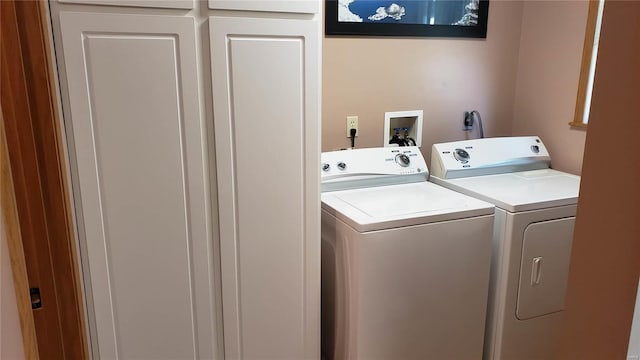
(193, 132)
(265, 116)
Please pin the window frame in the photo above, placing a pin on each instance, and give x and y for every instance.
(585, 67)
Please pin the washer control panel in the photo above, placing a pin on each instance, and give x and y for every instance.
(488, 156)
(461, 155)
(372, 166)
(403, 160)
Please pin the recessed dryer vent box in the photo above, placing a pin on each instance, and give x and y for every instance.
(411, 120)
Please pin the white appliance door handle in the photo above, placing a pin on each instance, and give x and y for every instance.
(536, 270)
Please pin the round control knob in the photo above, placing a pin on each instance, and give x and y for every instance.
(403, 160)
(535, 148)
(342, 165)
(461, 155)
(326, 167)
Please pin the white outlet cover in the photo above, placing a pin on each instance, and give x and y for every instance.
(354, 119)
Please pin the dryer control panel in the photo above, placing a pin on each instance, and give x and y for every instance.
(488, 156)
(350, 169)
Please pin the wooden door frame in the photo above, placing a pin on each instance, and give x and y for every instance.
(31, 120)
(11, 230)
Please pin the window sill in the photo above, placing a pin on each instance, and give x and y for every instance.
(578, 125)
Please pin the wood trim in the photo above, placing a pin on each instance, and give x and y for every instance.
(587, 49)
(39, 183)
(579, 125)
(16, 252)
(66, 273)
(604, 269)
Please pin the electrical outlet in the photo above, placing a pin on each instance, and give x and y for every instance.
(352, 123)
(468, 120)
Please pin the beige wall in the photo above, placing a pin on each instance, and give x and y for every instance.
(10, 335)
(523, 79)
(443, 77)
(548, 70)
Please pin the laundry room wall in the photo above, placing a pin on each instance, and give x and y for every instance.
(551, 43)
(523, 78)
(10, 331)
(368, 76)
(634, 339)
(10, 335)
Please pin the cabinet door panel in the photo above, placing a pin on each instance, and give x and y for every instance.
(266, 111)
(162, 4)
(139, 148)
(288, 6)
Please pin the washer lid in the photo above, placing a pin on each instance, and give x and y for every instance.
(393, 206)
(520, 191)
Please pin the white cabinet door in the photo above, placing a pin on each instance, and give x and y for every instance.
(162, 4)
(286, 6)
(266, 89)
(139, 147)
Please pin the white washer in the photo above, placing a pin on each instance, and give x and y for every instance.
(405, 263)
(535, 215)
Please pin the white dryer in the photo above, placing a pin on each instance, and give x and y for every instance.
(533, 232)
(405, 263)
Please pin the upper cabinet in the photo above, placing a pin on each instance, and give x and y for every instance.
(162, 4)
(284, 6)
(287, 6)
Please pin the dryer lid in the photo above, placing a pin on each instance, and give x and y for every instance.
(520, 191)
(393, 206)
